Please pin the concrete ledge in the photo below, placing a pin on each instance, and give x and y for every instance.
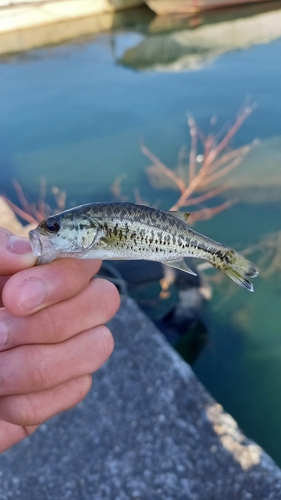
(147, 430)
(68, 31)
(21, 15)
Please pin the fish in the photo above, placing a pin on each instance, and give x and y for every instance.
(119, 230)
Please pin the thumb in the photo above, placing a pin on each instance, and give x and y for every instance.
(15, 253)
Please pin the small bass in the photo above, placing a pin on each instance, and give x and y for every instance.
(130, 231)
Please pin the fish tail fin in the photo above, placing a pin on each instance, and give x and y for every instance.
(238, 269)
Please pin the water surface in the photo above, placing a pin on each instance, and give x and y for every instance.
(76, 114)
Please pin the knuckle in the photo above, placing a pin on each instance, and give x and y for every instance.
(23, 410)
(28, 411)
(49, 325)
(109, 295)
(106, 342)
(84, 386)
(36, 367)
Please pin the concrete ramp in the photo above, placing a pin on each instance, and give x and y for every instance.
(147, 431)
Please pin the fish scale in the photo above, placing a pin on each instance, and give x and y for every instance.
(130, 231)
(141, 237)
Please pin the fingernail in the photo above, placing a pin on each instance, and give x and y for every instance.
(3, 333)
(16, 244)
(31, 293)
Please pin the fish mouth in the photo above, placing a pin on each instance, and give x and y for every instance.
(42, 247)
(35, 242)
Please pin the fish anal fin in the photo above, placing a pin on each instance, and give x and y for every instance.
(179, 264)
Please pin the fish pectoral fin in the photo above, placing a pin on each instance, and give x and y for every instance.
(100, 239)
(179, 264)
(89, 240)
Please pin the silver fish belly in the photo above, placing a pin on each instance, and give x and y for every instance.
(130, 231)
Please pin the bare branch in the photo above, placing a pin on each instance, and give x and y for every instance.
(42, 196)
(241, 117)
(162, 168)
(193, 148)
(24, 203)
(208, 213)
(116, 187)
(220, 173)
(244, 150)
(206, 196)
(24, 215)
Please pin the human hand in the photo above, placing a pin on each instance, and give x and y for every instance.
(52, 335)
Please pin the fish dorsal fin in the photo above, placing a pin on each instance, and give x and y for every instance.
(179, 264)
(179, 215)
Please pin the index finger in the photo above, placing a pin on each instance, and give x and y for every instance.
(15, 253)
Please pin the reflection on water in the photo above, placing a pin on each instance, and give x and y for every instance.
(188, 48)
(74, 115)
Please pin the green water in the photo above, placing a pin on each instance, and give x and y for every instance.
(76, 114)
(241, 363)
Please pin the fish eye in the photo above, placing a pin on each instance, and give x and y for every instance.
(52, 225)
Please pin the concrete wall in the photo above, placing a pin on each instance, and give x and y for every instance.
(17, 14)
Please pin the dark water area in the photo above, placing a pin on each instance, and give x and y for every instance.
(76, 114)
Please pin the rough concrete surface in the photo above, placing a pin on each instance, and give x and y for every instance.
(148, 430)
